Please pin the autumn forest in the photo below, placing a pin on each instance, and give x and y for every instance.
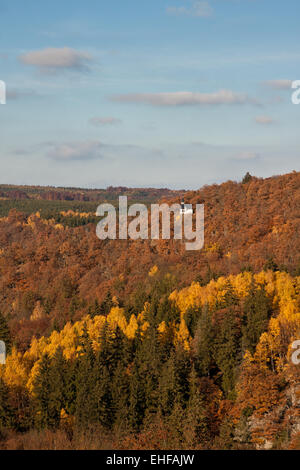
(120, 344)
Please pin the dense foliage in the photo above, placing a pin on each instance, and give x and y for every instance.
(142, 345)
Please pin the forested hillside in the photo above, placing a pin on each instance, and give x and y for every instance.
(141, 344)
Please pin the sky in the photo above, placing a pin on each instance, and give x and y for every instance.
(160, 93)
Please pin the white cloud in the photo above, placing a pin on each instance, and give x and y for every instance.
(279, 84)
(177, 10)
(15, 94)
(53, 59)
(247, 156)
(198, 9)
(264, 120)
(71, 151)
(182, 98)
(105, 121)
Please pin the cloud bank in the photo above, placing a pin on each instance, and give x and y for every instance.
(198, 9)
(105, 121)
(247, 156)
(183, 98)
(73, 151)
(279, 84)
(15, 94)
(264, 120)
(54, 59)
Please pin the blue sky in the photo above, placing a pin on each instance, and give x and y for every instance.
(175, 93)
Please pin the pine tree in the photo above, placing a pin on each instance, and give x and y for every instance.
(104, 412)
(230, 297)
(247, 178)
(42, 389)
(149, 357)
(106, 305)
(176, 423)
(204, 341)
(113, 348)
(85, 409)
(168, 387)
(6, 412)
(120, 387)
(183, 369)
(227, 350)
(257, 311)
(70, 390)
(167, 311)
(136, 406)
(57, 396)
(196, 426)
(191, 318)
(95, 309)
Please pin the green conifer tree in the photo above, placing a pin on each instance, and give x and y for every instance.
(6, 412)
(196, 426)
(42, 389)
(204, 342)
(257, 311)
